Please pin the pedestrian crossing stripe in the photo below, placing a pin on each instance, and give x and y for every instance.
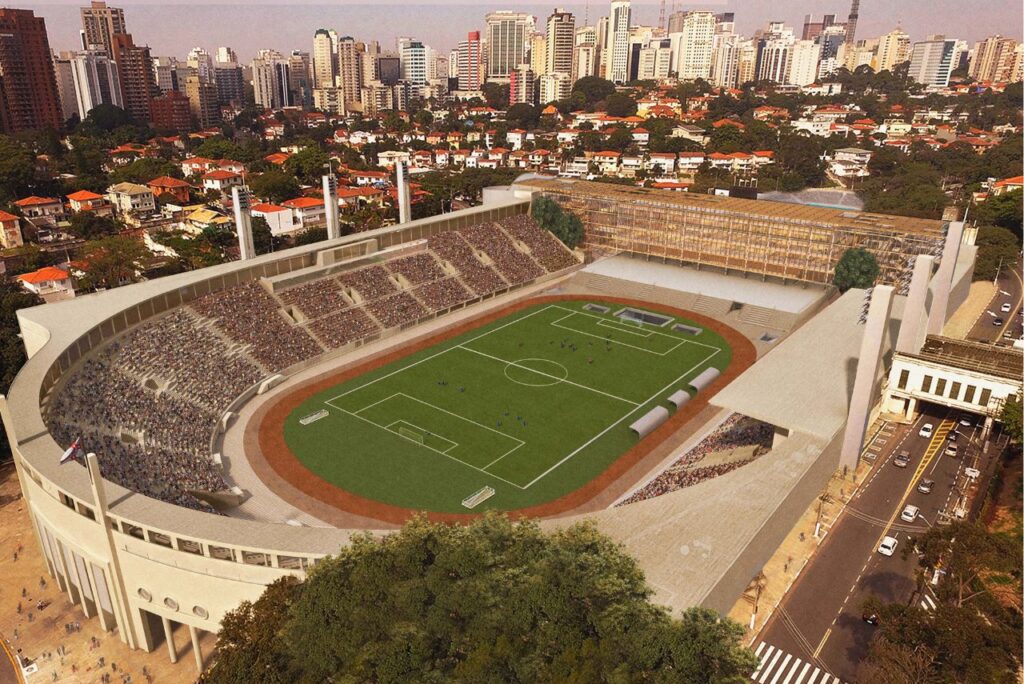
(787, 668)
(928, 603)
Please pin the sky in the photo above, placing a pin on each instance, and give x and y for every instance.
(172, 28)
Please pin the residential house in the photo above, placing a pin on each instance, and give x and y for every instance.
(131, 198)
(221, 180)
(41, 210)
(10, 230)
(50, 283)
(607, 161)
(168, 189)
(84, 200)
(306, 211)
(277, 217)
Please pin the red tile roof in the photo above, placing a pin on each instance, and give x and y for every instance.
(303, 203)
(84, 196)
(219, 174)
(44, 274)
(168, 182)
(4, 216)
(265, 208)
(33, 201)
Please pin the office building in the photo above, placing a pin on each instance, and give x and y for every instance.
(230, 82)
(774, 53)
(693, 45)
(299, 70)
(933, 60)
(561, 38)
(100, 24)
(65, 84)
(813, 29)
(413, 56)
(468, 62)
(135, 69)
(270, 79)
(226, 54)
(725, 54)
(508, 36)
(96, 81)
(28, 89)
(617, 40)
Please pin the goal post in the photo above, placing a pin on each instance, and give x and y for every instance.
(478, 497)
(412, 435)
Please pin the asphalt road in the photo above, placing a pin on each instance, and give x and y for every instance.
(8, 670)
(1009, 292)
(818, 627)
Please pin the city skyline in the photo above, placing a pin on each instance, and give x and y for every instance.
(444, 26)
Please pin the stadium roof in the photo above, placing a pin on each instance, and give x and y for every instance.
(988, 359)
(851, 219)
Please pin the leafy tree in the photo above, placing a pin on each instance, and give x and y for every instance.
(620, 104)
(590, 90)
(523, 115)
(490, 601)
(144, 170)
(262, 237)
(88, 226)
(275, 185)
(310, 236)
(496, 95)
(997, 248)
(218, 148)
(113, 261)
(966, 552)
(1005, 210)
(106, 118)
(801, 155)
(914, 189)
(1011, 418)
(17, 169)
(424, 118)
(308, 165)
(564, 225)
(857, 267)
(12, 351)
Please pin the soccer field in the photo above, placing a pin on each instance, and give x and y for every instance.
(532, 406)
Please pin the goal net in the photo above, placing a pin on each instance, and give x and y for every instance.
(410, 434)
(477, 498)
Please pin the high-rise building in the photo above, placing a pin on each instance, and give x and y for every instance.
(413, 55)
(584, 61)
(469, 63)
(508, 36)
(389, 68)
(299, 69)
(349, 72)
(813, 29)
(554, 87)
(932, 61)
(617, 62)
(774, 53)
(135, 69)
(270, 79)
(654, 61)
(993, 59)
(226, 55)
(831, 39)
(561, 38)
(803, 63)
(96, 81)
(522, 86)
(100, 24)
(201, 64)
(893, 49)
(746, 61)
(369, 63)
(725, 55)
(538, 54)
(202, 100)
(65, 84)
(28, 88)
(230, 83)
(693, 44)
(172, 111)
(325, 58)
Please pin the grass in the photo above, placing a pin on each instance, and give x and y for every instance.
(535, 405)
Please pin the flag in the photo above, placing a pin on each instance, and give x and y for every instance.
(73, 452)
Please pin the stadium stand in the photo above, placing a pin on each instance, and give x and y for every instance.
(515, 266)
(315, 299)
(339, 329)
(441, 295)
(370, 282)
(417, 268)
(451, 247)
(544, 247)
(397, 309)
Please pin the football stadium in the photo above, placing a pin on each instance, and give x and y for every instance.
(686, 379)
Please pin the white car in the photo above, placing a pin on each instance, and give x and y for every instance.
(888, 546)
(951, 450)
(909, 513)
(926, 430)
(1005, 308)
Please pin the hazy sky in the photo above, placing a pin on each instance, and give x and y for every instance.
(172, 28)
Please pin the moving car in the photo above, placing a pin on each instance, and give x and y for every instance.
(925, 486)
(902, 459)
(965, 420)
(909, 513)
(926, 430)
(998, 322)
(951, 450)
(870, 618)
(888, 546)
(1005, 308)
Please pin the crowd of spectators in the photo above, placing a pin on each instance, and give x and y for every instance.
(417, 268)
(250, 315)
(371, 282)
(549, 252)
(735, 432)
(315, 299)
(398, 309)
(515, 266)
(451, 247)
(339, 329)
(442, 294)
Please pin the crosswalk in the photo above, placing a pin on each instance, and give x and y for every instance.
(928, 603)
(775, 666)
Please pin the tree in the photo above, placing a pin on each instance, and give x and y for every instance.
(857, 267)
(218, 148)
(620, 104)
(489, 601)
(310, 236)
(564, 225)
(1011, 419)
(106, 118)
(17, 169)
(113, 261)
(144, 170)
(997, 249)
(1005, 210)
(496, 95)
(89, 226)
(275, 186)
(590, 90)
(308, 165)
(262, 237)
(966, 551)
(12, 350)
(522, 115)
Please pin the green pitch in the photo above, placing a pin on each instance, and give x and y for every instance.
(534, 405)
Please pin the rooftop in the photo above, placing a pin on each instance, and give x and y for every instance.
(1002, 362)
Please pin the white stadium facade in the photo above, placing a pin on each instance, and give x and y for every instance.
(146, 567)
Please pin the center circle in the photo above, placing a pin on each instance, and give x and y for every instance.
(536, 372)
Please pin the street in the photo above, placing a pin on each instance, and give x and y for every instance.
(818, 628)
(1009, 292)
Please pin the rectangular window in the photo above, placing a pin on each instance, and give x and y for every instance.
(954, 391)
(904, 376)
(940, 387)
(926, 384)
(986, 394)
(969, 394)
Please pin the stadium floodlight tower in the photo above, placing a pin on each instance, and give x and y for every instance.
(872, 347)
(944, 277)
(243, 222)
(331, 206)
(404, 208)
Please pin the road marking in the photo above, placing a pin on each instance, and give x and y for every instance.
(775, 666)
(828, 633)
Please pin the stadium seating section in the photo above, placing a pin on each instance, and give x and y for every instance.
(147, 402)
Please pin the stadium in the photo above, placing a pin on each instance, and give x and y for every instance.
(247, 419)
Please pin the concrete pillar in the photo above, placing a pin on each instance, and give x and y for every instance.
(196, 648)
(172, 650)
(331, 206)
(943, 279)
(872, 346)
(243, 222)
(915, 311)
(404, 203)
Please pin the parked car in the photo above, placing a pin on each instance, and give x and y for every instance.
(925, 486)
(966, 421)
(902, 459)
(870, 618)
(951, 450)
(909, 513)
(926, 430)
(888, 546)
(953, 434)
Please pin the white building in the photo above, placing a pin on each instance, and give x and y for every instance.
(96, 81)
(554, 86)
(693, 44)
(932, 61)
(508, 35)
(803, 63)
(893, 49)
(617, 40)
(561, 39)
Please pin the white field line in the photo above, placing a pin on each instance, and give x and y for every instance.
(622, 327)
(653, 332)
(558, 324)
(425, 432)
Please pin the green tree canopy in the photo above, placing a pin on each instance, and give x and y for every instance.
(88, 226)
(1005, 210)
(493, 601)
(275, 185)
(590, 90)
(857, 267)
(495, 94)
(144, 170)
(17, 169)
(12, 350)
(308, 164)
(106, 118)
(1012, 419)
(218, 148)
(564, 225)
(113, 261)
(997, 248)
(522, 115)
(620, 104)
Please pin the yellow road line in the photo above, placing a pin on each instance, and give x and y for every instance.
(821, 645)
(14, 663)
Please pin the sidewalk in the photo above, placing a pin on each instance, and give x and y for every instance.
(964, 318)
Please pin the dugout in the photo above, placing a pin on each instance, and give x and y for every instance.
(649, 421)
